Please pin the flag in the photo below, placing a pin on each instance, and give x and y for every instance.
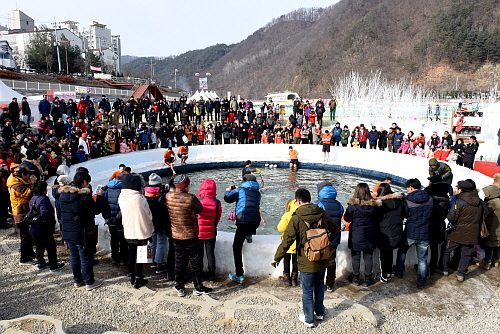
(93, 68)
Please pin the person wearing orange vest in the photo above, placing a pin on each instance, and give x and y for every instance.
(182, 153)
(169, 158)
(294, 157)
(326, 139)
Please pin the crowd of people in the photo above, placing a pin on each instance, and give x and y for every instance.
(181, 226)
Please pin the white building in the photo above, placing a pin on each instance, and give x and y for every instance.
(6, 56)
(96, 37)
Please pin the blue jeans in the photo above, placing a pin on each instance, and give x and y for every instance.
(159, 246)
(81, 264)
(313, 294)
(422, 248)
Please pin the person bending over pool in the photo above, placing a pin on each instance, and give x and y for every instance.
(247, 198)
(182, 153)
(169, 158)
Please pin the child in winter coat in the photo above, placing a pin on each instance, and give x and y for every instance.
(420, 150)
(43, 236)
(265, 138)
(80, 155)
(123, 146)
(291, 254)
(134, 145)
(405, 147)
(208, 220)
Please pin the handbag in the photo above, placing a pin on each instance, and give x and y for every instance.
(34, 218)
(484, 230)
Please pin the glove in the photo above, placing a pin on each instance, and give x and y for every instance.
(275, 264)
(257, 170)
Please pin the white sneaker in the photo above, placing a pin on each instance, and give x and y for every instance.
(302, 317)
(180, 292)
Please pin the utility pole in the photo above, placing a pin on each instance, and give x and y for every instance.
(66, 48)
(57, 45)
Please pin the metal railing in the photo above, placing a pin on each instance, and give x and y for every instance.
(59, 87)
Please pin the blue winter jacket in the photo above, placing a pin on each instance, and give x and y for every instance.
(143, 135)
(327, 201)
(111, 196)
(373, 137)
(418, 208)
(247, 198)
(398, 136)
(336, 134)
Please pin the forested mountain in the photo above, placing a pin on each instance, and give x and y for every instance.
(441, 44)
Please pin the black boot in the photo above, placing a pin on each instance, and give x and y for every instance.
(139, 281)
(295, 279)
(368, 280)
(354, 279)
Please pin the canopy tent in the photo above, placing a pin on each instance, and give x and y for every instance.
(491, 122)
(206, 95)
(7, 94)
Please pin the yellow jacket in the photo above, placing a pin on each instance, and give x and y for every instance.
(20, 195)
(291, 207)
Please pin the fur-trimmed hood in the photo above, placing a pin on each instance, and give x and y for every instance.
(72, 189)
(391, 196)
(372, 202)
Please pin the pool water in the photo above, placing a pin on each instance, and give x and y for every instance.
(278, 185)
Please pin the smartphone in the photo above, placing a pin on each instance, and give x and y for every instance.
(98, 189)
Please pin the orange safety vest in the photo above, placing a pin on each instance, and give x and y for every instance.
(293, 154)
(327, 138)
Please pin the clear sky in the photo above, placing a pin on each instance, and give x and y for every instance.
(163, 27)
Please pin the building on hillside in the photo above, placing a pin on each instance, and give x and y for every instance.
(6, 56)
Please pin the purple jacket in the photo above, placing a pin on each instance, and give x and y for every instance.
(43, 205)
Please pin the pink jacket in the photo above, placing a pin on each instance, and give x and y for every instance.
(212, 210)
(124, 148)
(405, 147)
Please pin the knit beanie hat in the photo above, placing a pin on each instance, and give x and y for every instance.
(64, 180)
(433, 162)
(62, 170)
(181, 181)
(130, 181)
(154, 179)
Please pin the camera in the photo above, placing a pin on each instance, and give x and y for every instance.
(450, 228)
(233, 187)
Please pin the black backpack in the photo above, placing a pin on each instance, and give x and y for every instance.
(34, 218)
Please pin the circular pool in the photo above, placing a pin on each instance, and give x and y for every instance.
(277, 186)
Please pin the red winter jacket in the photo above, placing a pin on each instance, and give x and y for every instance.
(212, 210)
(363, 135)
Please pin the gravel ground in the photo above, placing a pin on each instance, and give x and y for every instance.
(444, 306)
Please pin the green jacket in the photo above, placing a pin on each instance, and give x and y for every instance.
(310, 213)
(344, 137)
(492, 220)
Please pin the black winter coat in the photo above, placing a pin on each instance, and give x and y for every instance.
(382, 139)
(362, 215)
(470, 152)
(78, 211)
(390, 224)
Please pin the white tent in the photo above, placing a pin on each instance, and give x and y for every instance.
(491, 122)
(7, 94)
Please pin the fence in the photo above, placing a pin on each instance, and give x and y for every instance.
(59, 87)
